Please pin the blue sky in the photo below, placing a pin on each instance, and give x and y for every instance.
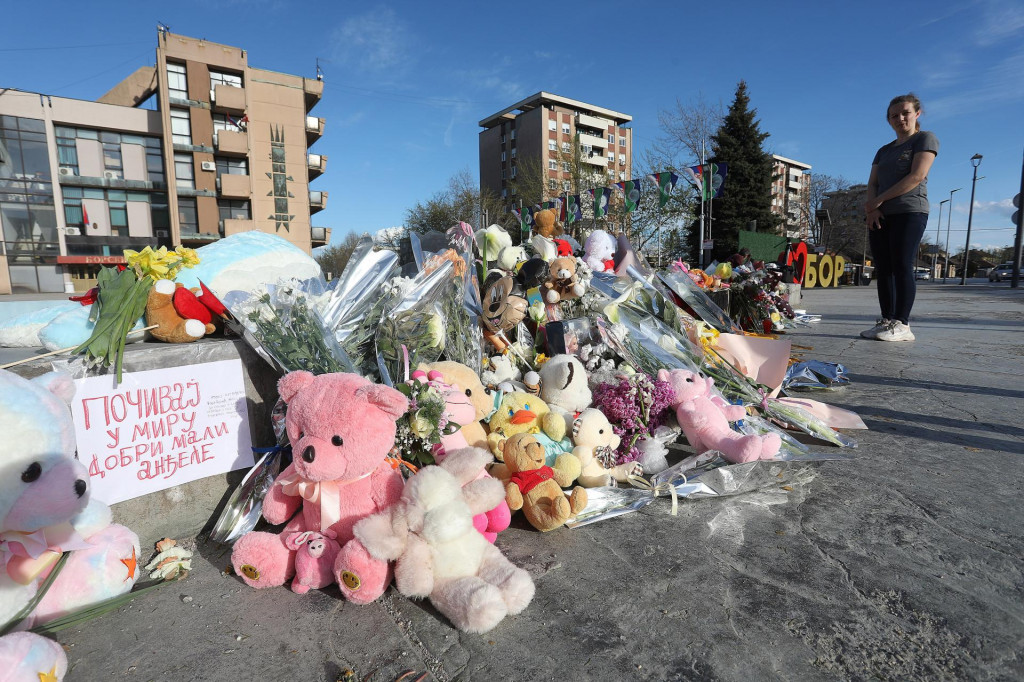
(407, 82)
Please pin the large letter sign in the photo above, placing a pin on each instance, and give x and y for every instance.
(824, 270)
(161, 428)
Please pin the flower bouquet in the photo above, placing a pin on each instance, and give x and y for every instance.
(121, 299)
(281, 323)
(418, 434)
(413, 330)
(636, 406)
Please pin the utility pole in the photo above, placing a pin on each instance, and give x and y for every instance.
(949, 219)
(975, 161)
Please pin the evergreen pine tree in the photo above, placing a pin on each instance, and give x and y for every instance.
(746, 195)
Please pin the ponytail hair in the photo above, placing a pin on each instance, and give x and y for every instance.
(910, 98)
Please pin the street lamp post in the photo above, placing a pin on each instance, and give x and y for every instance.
(938, 226)
(949, 219)
(975, 161)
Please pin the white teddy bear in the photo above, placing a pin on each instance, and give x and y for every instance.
(595, 442)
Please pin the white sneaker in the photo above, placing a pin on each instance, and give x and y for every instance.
(896, 331)
(880, 326)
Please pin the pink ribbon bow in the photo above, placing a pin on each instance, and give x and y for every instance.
(325, 494)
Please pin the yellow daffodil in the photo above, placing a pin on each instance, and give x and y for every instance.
(540, 359)
(189, 257)
(148, 262)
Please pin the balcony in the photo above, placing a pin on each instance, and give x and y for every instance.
(317, 164)
(795, 184)
(231, 142)
(227, 98)
(317, 201)
(593, 140)
(314, 129)
(596, 160)
(592, 122)
(236, 225)
(319, 236)
(233, 186)
(313, 90)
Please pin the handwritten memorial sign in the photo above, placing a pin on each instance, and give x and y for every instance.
(161, 428)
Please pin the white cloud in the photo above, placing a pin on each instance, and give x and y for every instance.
(1000, 20)
(373, 41)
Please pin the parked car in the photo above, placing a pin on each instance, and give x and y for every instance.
(1000, 272)
(922, 273)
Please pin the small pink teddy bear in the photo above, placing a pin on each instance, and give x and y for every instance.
(705, 419)
(314, 567)
(460, 410)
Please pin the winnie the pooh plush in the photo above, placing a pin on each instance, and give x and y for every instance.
(342, 428)
(430, 534)
(537, 488)
(46, 510)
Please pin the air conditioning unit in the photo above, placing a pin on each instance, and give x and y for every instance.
(111, 175)
(65, 170)
(72, 231)
(209, 166)
(163, 233)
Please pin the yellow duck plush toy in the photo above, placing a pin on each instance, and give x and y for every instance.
(526, 413)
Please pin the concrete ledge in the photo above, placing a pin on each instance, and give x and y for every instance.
(185, 510)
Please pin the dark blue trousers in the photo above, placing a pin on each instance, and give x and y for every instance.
(894, 248)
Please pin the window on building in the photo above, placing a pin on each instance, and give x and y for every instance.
(513, 152)
(513, 134)
(513, 171)
(224, 122)
(622, 175)
(551, 183)
(233, 209)
(566, 185)
(552, 145)
(177, 84)
(611, 157)
(565, 147)
(513, 190)
(117, 204)
(552, 125)
(504, 174)
(552, 164)
(154, 161)
(565, 166)
(181, 127)
(67, 152)
(622, 142)
(565, 128)
(223, 78)
(503, 157)
(611, 139)
(503, 138)
(622, 159)
(112, 157)
(231, 166)
(188, 219)
(504, 192)
(184, 171)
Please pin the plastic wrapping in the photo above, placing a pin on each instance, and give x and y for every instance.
(814, 374)
(695, 297)
(701, 476)
(413, 330)
(281, 323)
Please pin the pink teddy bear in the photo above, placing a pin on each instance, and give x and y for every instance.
(314, 567)
(460, 410)
(342, 428)
(705, 419)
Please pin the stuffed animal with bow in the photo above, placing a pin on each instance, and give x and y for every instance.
(342, 428)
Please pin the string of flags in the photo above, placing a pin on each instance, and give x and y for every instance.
(709, 180)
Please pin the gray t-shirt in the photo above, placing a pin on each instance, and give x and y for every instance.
(894, 161)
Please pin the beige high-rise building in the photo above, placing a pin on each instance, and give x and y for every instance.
(199, 147)
(791, 195)
(544, 128)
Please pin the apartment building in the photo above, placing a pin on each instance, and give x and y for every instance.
(199, 147)
(562, 137)
(791, 195)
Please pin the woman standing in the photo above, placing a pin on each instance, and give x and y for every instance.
(897, 214)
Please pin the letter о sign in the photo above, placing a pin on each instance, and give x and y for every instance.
(823, 270)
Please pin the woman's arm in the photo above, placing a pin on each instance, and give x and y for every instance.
(873, 215)
(918, 172)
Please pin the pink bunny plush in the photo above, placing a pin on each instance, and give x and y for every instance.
(342, 428)
(705, 419)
